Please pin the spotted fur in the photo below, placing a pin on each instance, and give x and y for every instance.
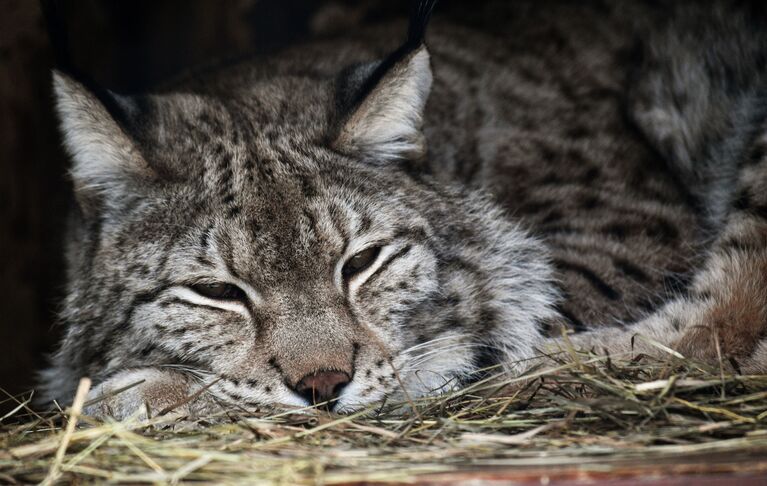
(700, 99)
(517, 176)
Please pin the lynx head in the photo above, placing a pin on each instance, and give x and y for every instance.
(275, 231)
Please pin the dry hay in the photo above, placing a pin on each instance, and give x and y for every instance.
(588, 411)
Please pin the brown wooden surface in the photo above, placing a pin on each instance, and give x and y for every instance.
(699, 470)
(32, 196)
(492, 479)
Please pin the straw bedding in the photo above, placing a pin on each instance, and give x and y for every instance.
(587, 411)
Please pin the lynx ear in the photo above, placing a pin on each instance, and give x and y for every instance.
(386, 123)
(384, 102)
(103, 154)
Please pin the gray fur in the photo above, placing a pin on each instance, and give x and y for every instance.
(542, 185)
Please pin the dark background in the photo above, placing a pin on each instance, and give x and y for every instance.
(126, 46)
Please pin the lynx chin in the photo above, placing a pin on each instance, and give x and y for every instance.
(349, 220)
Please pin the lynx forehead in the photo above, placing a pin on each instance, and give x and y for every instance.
(327, 227)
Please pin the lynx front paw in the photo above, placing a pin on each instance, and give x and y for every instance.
(146, 393)
(733, 321)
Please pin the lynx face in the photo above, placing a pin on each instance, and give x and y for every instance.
(279, 242)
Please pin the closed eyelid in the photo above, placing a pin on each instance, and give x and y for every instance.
(383, 261)
(216, 254)
(222, 277)
(363, 259)
(190, 297)
(403, 251)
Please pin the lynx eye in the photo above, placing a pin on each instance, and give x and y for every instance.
(219, 291)
(360, 261)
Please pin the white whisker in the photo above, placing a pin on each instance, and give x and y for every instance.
(434, 341)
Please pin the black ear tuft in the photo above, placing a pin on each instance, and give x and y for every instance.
(420, 14)
(381, 104)
(357, 81)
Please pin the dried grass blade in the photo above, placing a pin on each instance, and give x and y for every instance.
(77, 407)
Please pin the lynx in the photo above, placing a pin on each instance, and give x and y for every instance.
(349, 221)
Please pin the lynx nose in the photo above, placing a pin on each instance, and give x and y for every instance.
(322, 386)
